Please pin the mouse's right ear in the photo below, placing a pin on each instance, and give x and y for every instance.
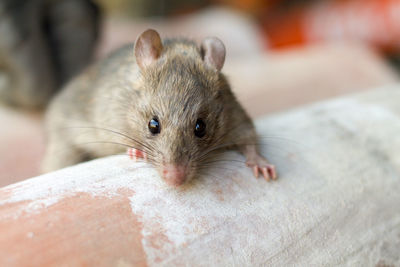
(148, 48)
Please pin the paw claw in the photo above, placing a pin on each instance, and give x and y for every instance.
(265, 173)
(260, 164)
(255, 171)
(272, 171)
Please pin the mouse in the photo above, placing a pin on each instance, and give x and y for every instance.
(163, 101)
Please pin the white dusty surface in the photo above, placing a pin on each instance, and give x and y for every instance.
(337, 200)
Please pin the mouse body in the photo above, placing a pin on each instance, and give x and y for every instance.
(165, 101)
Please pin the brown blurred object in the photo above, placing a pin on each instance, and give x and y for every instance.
(43, 44)
(250, 6)
(151, 8)
(255, 7)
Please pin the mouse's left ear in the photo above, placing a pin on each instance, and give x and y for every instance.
(148, 48)
(213, 52)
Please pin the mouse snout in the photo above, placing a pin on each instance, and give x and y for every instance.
(174, 174)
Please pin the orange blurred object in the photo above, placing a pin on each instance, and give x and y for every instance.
(375, 22)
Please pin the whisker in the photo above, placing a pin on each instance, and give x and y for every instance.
(276, 137)
(207, 168)
(111, 131)
(206, 173)
(116, 143)
(223, 160)
(104, 142)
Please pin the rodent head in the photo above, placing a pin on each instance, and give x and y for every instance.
(181, 110)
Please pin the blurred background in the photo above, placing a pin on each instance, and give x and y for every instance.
(281, 54)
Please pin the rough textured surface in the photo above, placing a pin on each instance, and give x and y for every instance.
(336, 202)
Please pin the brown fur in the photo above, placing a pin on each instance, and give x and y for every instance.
(118, 95)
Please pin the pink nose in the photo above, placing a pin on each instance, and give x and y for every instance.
(174, 174)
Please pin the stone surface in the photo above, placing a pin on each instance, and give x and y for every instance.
(336, 201)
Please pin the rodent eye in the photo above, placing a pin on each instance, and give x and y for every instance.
(200, 128)
(154, 126)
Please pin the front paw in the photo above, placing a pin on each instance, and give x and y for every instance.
(136, 154)
(259, 164)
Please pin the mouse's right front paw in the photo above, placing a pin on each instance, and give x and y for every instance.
(259, 164)
(136, 154)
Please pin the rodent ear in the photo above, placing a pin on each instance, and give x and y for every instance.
(148, 48)
(213, 52)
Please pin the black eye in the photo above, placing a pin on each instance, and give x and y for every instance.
(200, 128)
(154, 126)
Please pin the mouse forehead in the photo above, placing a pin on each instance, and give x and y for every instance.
(180, 106)
(182, 81)
(183, 73)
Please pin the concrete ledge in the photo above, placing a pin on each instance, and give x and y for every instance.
(337, 201)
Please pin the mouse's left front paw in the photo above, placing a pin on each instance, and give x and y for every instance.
(260, 164)
(136, 154)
